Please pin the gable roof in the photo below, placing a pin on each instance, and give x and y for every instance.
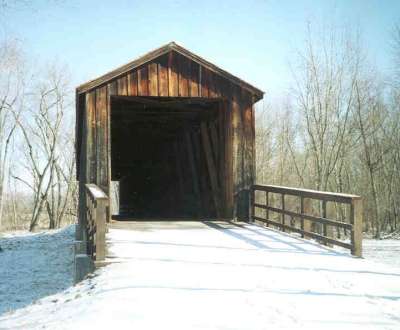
(172, 46)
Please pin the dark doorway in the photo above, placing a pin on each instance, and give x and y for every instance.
(157, 156)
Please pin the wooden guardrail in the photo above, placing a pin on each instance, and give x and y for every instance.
(304, 213)
(96, 216)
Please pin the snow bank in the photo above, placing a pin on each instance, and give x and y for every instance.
(34, 265)
(221, 276)
(383, 251)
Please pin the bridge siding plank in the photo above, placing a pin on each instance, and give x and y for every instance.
(91, 136)
(173, 75)
(153, 79)
(122, 85)
(163, 76)
(143, 83)
(183, 65)
(132, 84)
(101, 137)
(194, 80)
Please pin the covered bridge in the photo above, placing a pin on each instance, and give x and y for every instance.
(176, 131)
(178, 134)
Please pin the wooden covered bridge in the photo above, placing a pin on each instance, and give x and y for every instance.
(178, 134)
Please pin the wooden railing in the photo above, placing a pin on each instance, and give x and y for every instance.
(302, 216)
(96, 217)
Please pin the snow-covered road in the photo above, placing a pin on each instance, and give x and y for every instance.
(221, 276)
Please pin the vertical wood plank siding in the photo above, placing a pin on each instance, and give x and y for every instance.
(194, 80)
(163, 76)
(153, 79)
(183, 76)
(101, 138)
(132, 84)
(143, 83)
(91, 137)
(175, 75)
(172, 74)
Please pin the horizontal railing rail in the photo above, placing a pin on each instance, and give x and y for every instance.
(306, 214)
(96, 216)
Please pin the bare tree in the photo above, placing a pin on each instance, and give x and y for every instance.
(324, 90)
(11, 88)
(41, 128)
(370, 117)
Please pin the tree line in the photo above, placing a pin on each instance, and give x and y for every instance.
(338, 127)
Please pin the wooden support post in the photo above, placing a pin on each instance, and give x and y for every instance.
(302, 215)
(221, 158)
(101, 220)
(283, 209)
(214, 140)
(305, 209)
(202, 179)
(325, 230)
(328, 230)
(324, 225)
(192, 164)
(252, 202)
(211, 167)
(267, 205)
(356, 211)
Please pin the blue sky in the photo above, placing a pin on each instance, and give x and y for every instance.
(252, 39)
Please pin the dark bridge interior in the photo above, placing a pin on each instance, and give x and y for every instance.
(158, 159)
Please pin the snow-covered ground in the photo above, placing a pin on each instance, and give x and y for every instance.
(383, 251)
(220, 276)
(33, 266)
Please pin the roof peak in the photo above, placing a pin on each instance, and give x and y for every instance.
(171, 46)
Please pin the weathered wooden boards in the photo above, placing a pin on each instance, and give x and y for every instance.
(229, 140)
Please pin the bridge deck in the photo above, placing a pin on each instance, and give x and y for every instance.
(219, 275)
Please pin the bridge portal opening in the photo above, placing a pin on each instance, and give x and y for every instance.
(167, 157)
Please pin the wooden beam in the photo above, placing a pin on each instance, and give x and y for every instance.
(314, 194)
(228, 161)
(222, 154)
(214, 140)
(211, 167)
(195, 180)
(306, 216)
(202, 179)
(356, 214)
(307, 234)
(179, 170)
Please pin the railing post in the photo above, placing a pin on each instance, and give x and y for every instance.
(88, 229)
(252, 201)
(100, 220)
(302, 212)
(283, 209)
(267, 205)
(305, 209)
(324, 225)
(356, 211)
